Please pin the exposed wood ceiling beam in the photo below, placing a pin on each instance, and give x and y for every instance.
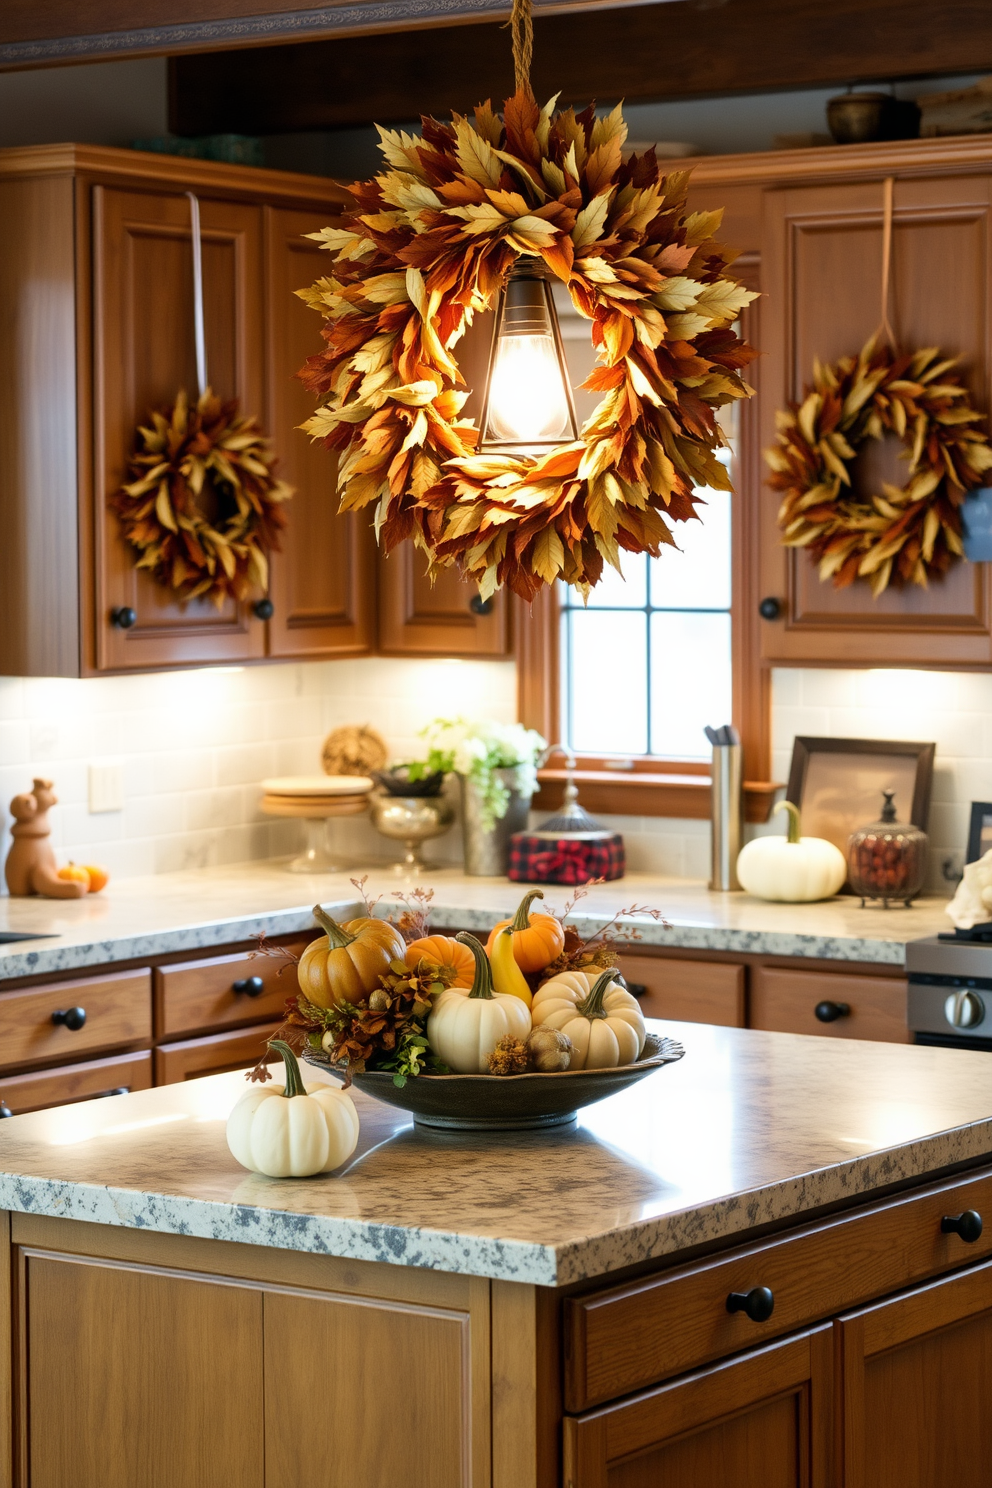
(678, 50)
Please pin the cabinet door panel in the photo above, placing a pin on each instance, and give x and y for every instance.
(323, 581)
(144, 354)
(192, 1058)
(75, 1082)
(169, 1396)
(384, 1432)
(201, 994)
(821, 268)
(785, 1000)
(698, 991)
(917, 1376)
(117, 1010)
(759, 1421)
(418, 618)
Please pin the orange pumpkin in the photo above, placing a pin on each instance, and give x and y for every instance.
(345, 964)
(442, 950)
(72, 873)
(99, 877)
(538, 939)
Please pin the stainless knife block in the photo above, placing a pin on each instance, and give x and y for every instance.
(726, 816)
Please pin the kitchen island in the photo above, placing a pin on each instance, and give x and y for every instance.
(758, 1265)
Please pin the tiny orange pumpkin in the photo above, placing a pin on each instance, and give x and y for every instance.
(442, 950)
(345, 963)
(99, 877)
(538, 939)
(72, 873)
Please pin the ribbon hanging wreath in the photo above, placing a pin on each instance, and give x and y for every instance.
(202, 506)
(429, 245)
(901, 534)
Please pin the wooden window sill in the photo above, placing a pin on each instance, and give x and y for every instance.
(649, 793)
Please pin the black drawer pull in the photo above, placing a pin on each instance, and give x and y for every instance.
(117, 1090)
(71, 1018)
(123, 616)
(5, 1110)
(264, 609)
(758, 1303)
(480, 606)
(968, 1225)
(637, 989)
(829, 1012)
(770, 608)
(250, 986)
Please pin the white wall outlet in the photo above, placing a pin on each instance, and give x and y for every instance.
(106, 787)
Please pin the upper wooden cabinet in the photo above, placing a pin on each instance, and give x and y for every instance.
(811, 221)
(446, 618)
(96, 309)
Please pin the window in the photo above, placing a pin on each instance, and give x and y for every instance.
(657, 639)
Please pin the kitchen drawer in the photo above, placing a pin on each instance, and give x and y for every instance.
(632, 1336)
(698, 991)
(786, 1002)
(118, 1010)
(76, 1082)
(191, 1058)
(195, 995)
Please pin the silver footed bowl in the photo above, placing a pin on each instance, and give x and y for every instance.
(505, 1102)
(411, 820)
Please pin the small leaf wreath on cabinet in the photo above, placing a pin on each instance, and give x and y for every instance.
(430, 244)
(904, 534)
(202, 506)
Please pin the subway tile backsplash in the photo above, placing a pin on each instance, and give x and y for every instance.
(193, 747)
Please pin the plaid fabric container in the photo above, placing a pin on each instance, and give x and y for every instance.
(565, 860)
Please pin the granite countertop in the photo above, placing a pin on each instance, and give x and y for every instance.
(190, 911)
(749, 1128)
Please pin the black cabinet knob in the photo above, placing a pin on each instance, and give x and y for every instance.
(119, 1090)
(480, 606)
(758, 1303)
(829, 1012)
(5, 1110)
(123, 617)
(637, 989)
(264, 609)
(250, 986)
(71, 1018)
(968, 1225)
(770, 608)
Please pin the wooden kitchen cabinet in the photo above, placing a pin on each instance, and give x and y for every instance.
(760, 1421)
(96, 275)
(221, 991)
(188, 1059)
(694, 991)
(68, 1083)
(446, 618)
(59, 1021)
(834, 1004)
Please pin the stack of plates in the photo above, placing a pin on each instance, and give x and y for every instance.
(316, 795)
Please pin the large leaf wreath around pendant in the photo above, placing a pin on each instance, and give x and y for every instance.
(431, 243)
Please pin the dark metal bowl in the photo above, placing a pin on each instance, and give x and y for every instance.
(506, 1102)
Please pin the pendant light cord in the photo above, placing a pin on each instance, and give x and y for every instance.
(886, 325)
(522, 33)
(198, 333)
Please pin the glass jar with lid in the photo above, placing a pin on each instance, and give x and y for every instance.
(888, 859)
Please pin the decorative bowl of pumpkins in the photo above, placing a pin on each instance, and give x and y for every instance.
(520, 1032)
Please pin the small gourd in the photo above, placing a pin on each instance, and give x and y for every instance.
(599, 1016)
(538, 939)
(292, 1130)
(793, 869)
(443, 950)
(464, 1030)
(345, 963)
(549, 1049)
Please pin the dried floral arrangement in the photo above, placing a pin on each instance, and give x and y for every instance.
(202, 505)
(385, 1027)
(903, 534)
(429, 245)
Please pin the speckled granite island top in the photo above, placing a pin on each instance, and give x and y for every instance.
(748, 1129)
(188, 912)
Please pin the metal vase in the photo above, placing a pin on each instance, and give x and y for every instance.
(487, 853)
(726, 816)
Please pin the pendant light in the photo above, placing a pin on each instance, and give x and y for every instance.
(527, 407)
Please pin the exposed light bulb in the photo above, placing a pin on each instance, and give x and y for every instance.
(527, 399)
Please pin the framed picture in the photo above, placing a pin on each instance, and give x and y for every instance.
(980, 831)
(838, 783)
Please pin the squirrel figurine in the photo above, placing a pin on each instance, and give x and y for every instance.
(31, 867)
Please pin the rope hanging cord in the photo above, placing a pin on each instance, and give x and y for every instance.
(885, 325)
(198, 331)
(522, 35)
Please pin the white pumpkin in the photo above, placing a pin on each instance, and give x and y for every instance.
(793, 868)
(464, 1028)
(602, 1019)
(292, 1130)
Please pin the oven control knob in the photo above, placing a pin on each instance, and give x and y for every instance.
(964, 1010)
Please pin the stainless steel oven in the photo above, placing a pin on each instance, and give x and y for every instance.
(950, 989)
